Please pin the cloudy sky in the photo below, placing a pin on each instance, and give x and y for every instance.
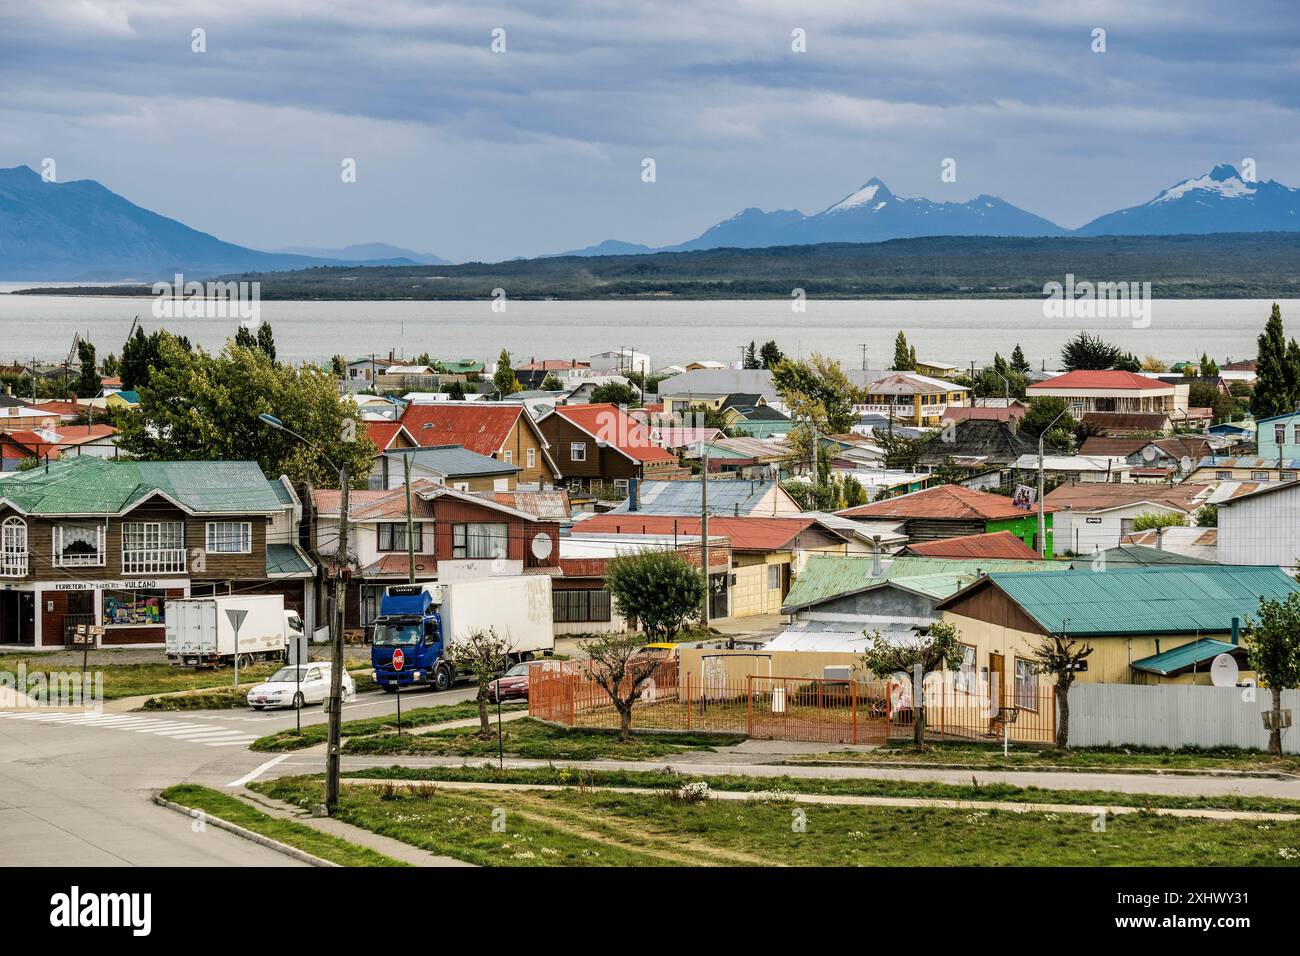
(473, 154)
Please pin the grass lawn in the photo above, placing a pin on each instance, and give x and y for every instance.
(576, 828)
(221, 698)
(667, 779)
(286, 831)
(989, 756)
(531, 738)
(421, 716)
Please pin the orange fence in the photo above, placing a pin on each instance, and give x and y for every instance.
(974, 712)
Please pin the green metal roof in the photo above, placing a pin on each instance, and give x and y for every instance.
(1184, 658)
(286, 560)
(1136, 556)
(1164, 600)
(827, 576)
(94, 486)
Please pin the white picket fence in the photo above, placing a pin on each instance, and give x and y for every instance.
(1175, 716)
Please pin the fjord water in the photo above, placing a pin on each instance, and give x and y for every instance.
(957, 331)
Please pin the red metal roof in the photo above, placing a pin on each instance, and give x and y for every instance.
(382, 433)
(479, 426)
(996, 544)
(609, 423)
(943, 502)
(1109, 378)
(746, 534)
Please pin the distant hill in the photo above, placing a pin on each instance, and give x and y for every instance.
(1240, 265)
(370, 252)
(81, 231)
(1219, 201)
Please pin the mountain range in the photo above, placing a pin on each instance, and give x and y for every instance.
(81, 231)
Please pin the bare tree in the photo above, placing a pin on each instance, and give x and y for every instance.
(485, 655)
(1060, 655)
(615, 664)
(937, 649)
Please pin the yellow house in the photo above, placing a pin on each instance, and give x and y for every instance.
(122, 400)
(1145, 625)
(915, 400)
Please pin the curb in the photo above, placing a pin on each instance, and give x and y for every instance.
(1047, 768)
(290, 851)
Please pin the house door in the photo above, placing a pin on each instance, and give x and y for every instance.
(81, 610)
(996, 682)
(718, 596)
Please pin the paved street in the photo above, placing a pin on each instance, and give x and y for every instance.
(76, 790)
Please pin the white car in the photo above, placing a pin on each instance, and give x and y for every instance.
(294, 686)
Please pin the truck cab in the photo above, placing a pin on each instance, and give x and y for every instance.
(409, 619)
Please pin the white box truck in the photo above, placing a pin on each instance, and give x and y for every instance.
(200, 632)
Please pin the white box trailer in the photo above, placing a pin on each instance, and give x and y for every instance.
(201, 634)
(517, 607)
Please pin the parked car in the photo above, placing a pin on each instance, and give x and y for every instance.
(513, 684)
(295, 686)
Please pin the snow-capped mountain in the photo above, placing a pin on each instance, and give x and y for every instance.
(873, 214)
(1219, 201)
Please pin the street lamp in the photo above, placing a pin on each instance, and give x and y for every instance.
(333, 703)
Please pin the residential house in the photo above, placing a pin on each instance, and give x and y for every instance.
(1262, 527)
(1245, 371)
(367, 369)
(1278, 437)
(95, 441)
(747, 457)
(986, 410)
(949, 511)
(570, 372)
(1094, 516)
(1131, 554)
(18, 416)
(997, 544)
(1129, 424)
(620, 360)
(1166, 454)
(851, 451)
(766, 552)
(1110, 391)
(579, 393)
(1199, 543)
(84, 541)
(68, 412)
(712, 387)
(976, 445)
(449, 465)
(456, 534)
(122, 399)
(1245, 468)
(1146, 625)
(600, 448)
(1075, 468)
(936, 369)
(747, 499)
(498, 430)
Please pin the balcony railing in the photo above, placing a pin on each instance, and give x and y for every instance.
(166, 561)
(13, 564)
(79, 560)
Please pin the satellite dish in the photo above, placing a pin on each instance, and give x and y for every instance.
(542, 546)
(1223, 671)
(1149, 453)
(1185, 464)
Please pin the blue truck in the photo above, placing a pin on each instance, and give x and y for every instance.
(424, 620)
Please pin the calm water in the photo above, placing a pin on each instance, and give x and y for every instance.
(957, 332)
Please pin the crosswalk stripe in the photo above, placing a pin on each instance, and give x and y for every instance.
(209, 735)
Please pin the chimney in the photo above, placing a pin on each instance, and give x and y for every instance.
(1236, 629)
(634, 498)
(877, 570)
(1012, 422)
(737, 509)
(1160, 539)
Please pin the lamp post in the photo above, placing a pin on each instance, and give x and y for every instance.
(1042, 521)
(333, 703)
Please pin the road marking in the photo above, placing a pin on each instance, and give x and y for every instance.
(254, 774)
(209, 735)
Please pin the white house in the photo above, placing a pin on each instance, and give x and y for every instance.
(1094, 516)
(1262, 527)
(620, 361)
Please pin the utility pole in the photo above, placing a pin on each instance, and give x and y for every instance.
(863, 346)
(335, 703)
(1042, 521)
(410, 521)
(704, 528)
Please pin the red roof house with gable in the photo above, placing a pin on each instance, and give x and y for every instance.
(601, 446)
(503, 431)
(1109, 390)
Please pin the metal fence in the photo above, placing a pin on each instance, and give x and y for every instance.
(831, 711)
(1175, 715)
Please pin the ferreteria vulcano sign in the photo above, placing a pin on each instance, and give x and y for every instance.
(137, 584)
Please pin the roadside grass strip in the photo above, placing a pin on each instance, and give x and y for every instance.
(667, 779)
(297, 835)
(576, 827)
(314, 734)
(532, 738)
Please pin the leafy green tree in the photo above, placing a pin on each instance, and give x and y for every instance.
(1041, 413)
(1086, 351)
(615, 393)
(504, 377)
(770, 355)
(1128, 362)
(939, 649)
(1209, 368)
(109, 365)
(1273, 646)
(201, 407)
(904, 356)
(1018, 361)
(1207, 516)
(1274, 392)
(552, 383)
(245, 337)
(88, 382)
(266, 340)
(660, 590)
(817, 391)
(1059, 656)
(338, 366)
(456, 391)
(853, 494)
(988, 383)
(1150, 520)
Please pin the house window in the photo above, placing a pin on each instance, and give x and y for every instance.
(1279, 434)
(479, 540)
(530, 456)
(1295, 434)
(79, 545)
(966, 678)
(620, 486)
(230, 537)
(13, 548)
(1259, 476)
(508, 457)
(1026, 685)
(774, 577)
(581, 606)
(1287, 476)
(153, 547)
(392, 536)
(1223, 475)
(577, 451)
